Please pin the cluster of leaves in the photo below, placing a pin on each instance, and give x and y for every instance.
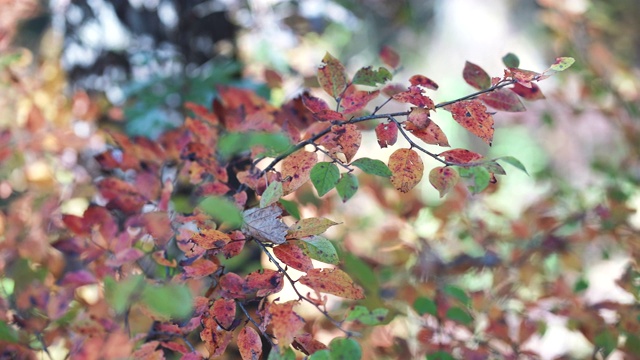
(168, 271)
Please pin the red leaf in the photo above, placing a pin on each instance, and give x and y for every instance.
(430, 134)
(329, 115)
(414, 96)
(460, 156)
(393, 89)
(307, 344)
(332, 281)
(224, 311)
(475, 76)
(216, 339)
(343, 138)
(232, 286)
(389, 57)
(332, 76)
(407, 168)
(503, 99)
(210, 239)
(121, 195)
(423, 81)
(285, 322)
(293, 256)
(523, 77)
(199, 268)
(532, 93)
(249, 344)
(387, 134)
(357, 100)
(313, 103)
(473, 116)
(419, 117)
(264, 282)
(296, 169)
(124, 257)
(443, 179)
(235, 246)
(158, 226)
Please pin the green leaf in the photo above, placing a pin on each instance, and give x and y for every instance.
(291, 207)
(511, 60)
(347, 186)
(440, 355)
(494, 167)
(562, 63)
(120, 294)
(478, 175)
(345, 349)
(361, 272)
(287, 354)
(513, 162)
(170, 300)
(234, 143)
(222, 210)
(271, 194)
(362, 315)
(606, 341)
(370, 77)
(325, 176)
(424, 305)
(323, 354)
(8, 333)
(581, 285)
(459, 315)
(457, 293)
(373, 167)
(319, 248)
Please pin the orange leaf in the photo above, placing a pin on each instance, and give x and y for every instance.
(296, 169)
(443, 179)
(407, 168)
(293, 256)
(423, 81)
(332, 76)
(357, 100)
(249, 344)
(430, 134)
(332, 281)
(285, 322)
(308, 227)
(414, 96)
(199, 268)
(473, 116)
(460, 156)
(224, 311)
(387, 134)
(210, 239)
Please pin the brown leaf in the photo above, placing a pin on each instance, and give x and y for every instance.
(264, 224)
(296, 169)
(473, 116)
(308, 227)
(407, 168)
(210, 239)
(332, 281)
(249, 344)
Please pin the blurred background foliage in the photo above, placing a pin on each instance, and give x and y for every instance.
(70, 67)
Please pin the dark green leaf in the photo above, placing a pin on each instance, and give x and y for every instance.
(606, 341)
(170, 300)
(424, 305)
(8, 333)
(347, 186)
(222, 210)
(440, 355)
(370, 77)
(291, 207)
(511, 60)
(362, 315)
(581, 285)
(513, 162)
(459, 315)
(234, 143)
(457, 293)
(325, 176)
(345, 349)
(373, 167)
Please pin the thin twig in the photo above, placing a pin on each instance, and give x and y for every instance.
(335, 160)
(414, 145)
(246, 313)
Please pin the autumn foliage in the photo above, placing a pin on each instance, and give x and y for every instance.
(138, 274)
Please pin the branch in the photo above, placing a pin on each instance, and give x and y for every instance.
(414, 145)
(497, 86)
(264, 334)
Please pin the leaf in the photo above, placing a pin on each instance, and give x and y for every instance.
(222, 210)
(296, 169)
(169, 300)
(443, 179)
(419, 117)
(332, 281)
(365, 317)
(494, 168)
(199, 268)
(329, 115)
(607, 341)
(424, 305)
(319, 248)
(8, 333)
(272, 194)
(387, 134)
(511, 60)
(460, 156)
(478, 175)
(230, 144)
(513, 162)
(332, 76)
(407, 168)
(425, 82)
(357, 100)
(308, 345)
(530, 93)
(562, 63)
(321, 355)
(431, 134)
(524, 77)
(263, 282)
(264, 224)
(119, 294)
(325, 176)
(457, 293)
(348, 138)
(347, 186)
(370, 77)
(373, 166)
(345, 349)
(389, 57)
(308, 227)
(224, 311)
(210, 239)
(459, 315)
(293, 255)
(475, 76)
(291, 207)
(504, 100)
(287, 354)
(232, 285)
(285, 322)
(440, 355)
(313, 103)
(414, 96)
(473, 116)
(249, 344)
